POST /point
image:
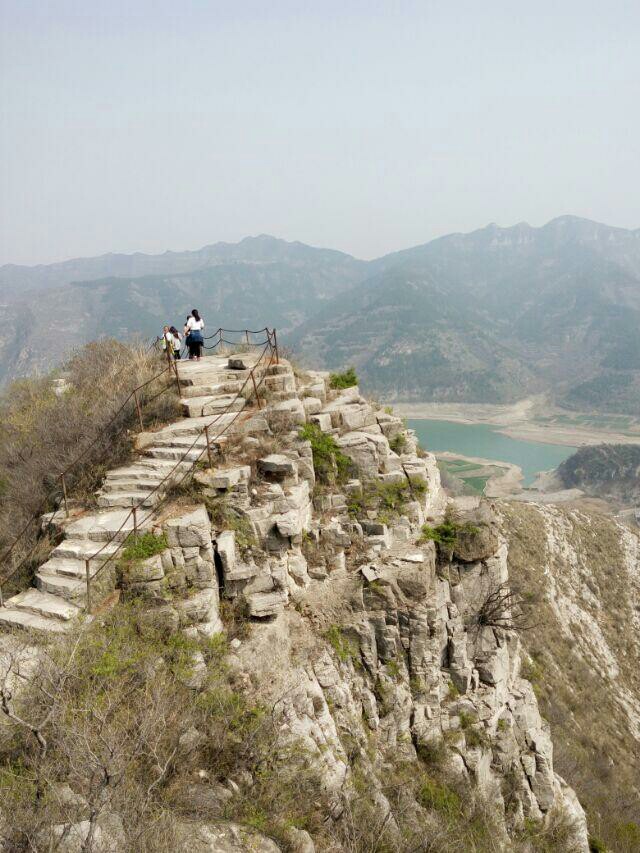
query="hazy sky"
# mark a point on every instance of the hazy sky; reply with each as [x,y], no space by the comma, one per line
[364,126]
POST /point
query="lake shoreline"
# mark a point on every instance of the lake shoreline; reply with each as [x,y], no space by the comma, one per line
[485,445]
[516,421]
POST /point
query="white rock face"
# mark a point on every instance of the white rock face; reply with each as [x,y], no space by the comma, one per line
[585,570]
[367,641]
[194,837]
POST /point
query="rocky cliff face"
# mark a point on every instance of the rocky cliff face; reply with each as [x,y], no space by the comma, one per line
[581,572]
[378,646]
[378,624]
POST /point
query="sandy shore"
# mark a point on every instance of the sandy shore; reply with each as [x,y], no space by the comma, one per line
[516,421]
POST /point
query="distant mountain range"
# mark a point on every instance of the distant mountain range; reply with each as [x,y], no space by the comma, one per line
[490,316]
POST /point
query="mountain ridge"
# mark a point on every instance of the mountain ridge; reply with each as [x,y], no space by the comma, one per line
[490,316]
[9,269]
[124,264]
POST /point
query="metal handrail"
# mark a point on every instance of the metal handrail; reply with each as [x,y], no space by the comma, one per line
[168,477]
[270,344]
[80,456]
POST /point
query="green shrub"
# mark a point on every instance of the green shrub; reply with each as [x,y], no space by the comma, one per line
[115,707]
[453,692]
[439,797]
[329,462]
[596,845]
[143,546]
[628,835]
[445,534]
[343,380]
[433,753]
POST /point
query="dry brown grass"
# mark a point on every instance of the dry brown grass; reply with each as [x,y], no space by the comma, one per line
[593,747]
[109,715]
[42,433]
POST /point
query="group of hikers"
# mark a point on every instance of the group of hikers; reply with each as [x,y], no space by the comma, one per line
[193,337]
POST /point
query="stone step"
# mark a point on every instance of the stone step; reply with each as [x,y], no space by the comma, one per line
[185,441]
[138,498]
[11,618]
[282,369]
[279,396]
[145,470]
[65,567]
[197,407]
[115,524]
[211,389]
[71,589]
[193,426]
[80,550]
[210,377]
[169,452]
[43,604]
[114,486]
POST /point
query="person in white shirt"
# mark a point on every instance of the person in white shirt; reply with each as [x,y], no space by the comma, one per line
[193,330]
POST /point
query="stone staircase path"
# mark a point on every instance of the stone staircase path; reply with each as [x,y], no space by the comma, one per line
[59,594]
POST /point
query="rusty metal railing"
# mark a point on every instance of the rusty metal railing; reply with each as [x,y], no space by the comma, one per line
[270,345]
[270,348]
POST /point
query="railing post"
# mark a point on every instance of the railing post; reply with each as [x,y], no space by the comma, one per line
[134,512]
[255,388]
[275,341]
[64,495]
[87,570]
[139,410]
[206,432]
[1,597]
[175,370]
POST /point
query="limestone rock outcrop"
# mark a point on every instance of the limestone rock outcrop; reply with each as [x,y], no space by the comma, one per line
[369,639]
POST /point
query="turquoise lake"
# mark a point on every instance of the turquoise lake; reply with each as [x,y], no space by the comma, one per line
[485,441]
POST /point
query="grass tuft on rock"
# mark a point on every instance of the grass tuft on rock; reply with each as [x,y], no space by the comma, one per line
[330,464]
[143,546]
[348,379]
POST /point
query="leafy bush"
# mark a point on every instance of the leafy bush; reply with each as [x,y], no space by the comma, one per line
[445,534]
[472,735]
[343,380]
[330,464]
